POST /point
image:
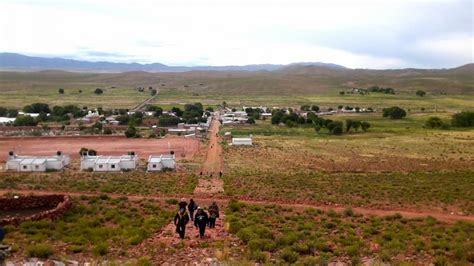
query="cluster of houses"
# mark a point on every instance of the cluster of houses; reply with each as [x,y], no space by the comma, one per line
[93,163]
[191,130]
[231,116]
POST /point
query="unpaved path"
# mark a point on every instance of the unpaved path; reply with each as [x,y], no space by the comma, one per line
[140,106]
[445,217]
[166,248]
[210,182]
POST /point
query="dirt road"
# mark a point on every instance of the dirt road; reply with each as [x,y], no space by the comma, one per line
[206,200]
[210,183]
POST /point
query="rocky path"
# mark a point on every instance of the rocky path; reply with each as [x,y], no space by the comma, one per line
[166,248]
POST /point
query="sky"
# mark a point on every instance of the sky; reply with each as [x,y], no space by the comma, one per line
[372,34]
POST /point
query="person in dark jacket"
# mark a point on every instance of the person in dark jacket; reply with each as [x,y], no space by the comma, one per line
[200,220]
[180,221]
[182,204]
[192,207]
[213,214]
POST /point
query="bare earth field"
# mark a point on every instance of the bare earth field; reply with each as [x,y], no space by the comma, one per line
[104,145]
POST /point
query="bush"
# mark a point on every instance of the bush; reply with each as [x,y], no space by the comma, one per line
[434,122]
[463,119]
[100,249]
[131,132]
[420,93]
[42,251]
[289,255]
[394,112]
[98,91]
[171,201]
[25,121]
[365,125]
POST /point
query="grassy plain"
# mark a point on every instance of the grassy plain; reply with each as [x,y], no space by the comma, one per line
[238,88]
[95,227]
[120,183]
[397,163]
[284,235]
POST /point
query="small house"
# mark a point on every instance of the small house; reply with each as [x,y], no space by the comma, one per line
[161,162]
[109,163]
[246,141]
[37,163]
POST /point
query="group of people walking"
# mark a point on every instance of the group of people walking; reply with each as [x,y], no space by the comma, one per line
[201,219]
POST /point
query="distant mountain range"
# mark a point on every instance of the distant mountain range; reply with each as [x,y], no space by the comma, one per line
[12,61]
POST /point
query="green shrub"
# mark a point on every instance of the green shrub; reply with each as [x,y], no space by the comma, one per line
[76,248]
[348,212]
[42,251]
[144,261]
[234,206]
[462,119]
[258,256]
[100,249]
[289,255]
[171,201]
[246,235]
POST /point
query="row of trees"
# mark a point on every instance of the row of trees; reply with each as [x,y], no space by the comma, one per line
[462,119]
[5,112]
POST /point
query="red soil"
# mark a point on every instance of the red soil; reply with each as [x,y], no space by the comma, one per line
[104,145]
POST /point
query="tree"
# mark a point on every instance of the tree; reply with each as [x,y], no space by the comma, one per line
[168,120]
[335,127]
[420,93]
[8,112]
[153,92]
[394,112]
[365,125]
[250,120]
[98,91]
[177,111]
[315,108]
[348,125]
[463,119]
[61,91]
[37,108]
[25,121]
[305,107]
[131,132]
[434,122]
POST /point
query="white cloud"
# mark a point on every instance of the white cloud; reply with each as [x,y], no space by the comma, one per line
[241,32]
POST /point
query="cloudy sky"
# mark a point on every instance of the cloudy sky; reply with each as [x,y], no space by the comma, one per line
[357,34]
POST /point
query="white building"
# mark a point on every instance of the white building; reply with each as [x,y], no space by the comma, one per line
[37,163]
[161,162]
[242,141]
[6,120]
[109,163]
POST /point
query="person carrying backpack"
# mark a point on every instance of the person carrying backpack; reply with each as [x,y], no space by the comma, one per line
[200,220]
[192,206]
[180,221]
[213,214]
